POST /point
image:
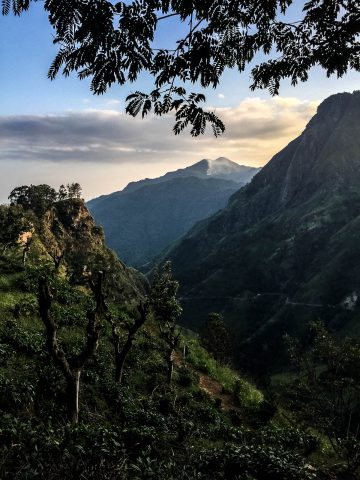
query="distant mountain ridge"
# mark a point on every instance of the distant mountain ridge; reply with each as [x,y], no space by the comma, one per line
[290,237]
[220,168]
[149,215]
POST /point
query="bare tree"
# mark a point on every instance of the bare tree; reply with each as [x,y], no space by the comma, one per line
[26,249]
[71,367]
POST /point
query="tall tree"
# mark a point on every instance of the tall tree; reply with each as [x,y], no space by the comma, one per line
[38,198]
[216,337]
[166,309]
[62,193]
[74,190]
[113,42]
[326,392]
[71,366]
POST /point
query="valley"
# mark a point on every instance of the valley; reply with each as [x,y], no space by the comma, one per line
[235,354]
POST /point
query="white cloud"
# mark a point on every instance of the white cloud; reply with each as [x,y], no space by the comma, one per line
[221,95]
[113,103]
[108,140]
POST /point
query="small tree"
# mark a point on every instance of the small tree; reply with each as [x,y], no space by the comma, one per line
[216,337]
[57,256]
[74,190]
[71,366]
[166,308]
[123,349]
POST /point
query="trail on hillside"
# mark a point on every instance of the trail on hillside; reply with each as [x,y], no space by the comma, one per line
[210,386]
[215,390]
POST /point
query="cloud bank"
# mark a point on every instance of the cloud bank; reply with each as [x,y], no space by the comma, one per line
[106,140]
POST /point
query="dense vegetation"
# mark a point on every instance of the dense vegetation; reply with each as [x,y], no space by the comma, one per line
[175,412]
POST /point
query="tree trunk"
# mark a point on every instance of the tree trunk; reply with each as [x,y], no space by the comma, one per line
[170,368]
[73,386]
[120,360]
[24,256]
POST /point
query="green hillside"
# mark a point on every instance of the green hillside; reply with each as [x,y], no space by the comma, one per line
[284,251]
[208,422]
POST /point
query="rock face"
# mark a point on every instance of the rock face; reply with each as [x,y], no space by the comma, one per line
[149,215]
[68,234]
[326,156]
[290,237]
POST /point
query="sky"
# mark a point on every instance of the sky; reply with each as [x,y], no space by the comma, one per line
[58,132]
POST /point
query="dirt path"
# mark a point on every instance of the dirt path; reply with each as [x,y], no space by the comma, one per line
[210,386]
[214,390]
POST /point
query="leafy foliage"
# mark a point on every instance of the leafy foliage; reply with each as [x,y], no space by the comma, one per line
[12,225]
[112,43]
[327,389]
[216,337]
[163,294]
[39,198]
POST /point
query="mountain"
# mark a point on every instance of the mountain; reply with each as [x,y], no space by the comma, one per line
[219,168]
[67,236]
[285,250]
[147,216]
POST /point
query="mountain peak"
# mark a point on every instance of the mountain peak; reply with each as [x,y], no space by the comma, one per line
[149,215]
[324,158]
[288,238]
[220,168]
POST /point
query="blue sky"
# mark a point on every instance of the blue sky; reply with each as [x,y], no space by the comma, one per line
[61,107]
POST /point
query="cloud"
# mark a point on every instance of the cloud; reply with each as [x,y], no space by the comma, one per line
[111,136]
[113,103]
[221,96]
[255,130]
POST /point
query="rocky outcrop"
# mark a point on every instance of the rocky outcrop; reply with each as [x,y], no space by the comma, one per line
[72,240]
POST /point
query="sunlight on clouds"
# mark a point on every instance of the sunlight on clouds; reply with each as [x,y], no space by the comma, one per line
[117,148]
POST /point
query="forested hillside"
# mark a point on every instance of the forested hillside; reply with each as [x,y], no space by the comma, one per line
[285,249]
[99,381]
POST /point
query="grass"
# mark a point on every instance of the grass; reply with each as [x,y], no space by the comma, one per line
[10,299]
[247,394]
[7,282]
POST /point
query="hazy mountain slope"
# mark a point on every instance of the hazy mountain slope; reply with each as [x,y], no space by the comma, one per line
[139,224]
[148,215]
[219,168]
[290,234]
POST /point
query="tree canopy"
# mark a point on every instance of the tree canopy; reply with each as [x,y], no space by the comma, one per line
[113,43]
[12,225]
[40,198]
